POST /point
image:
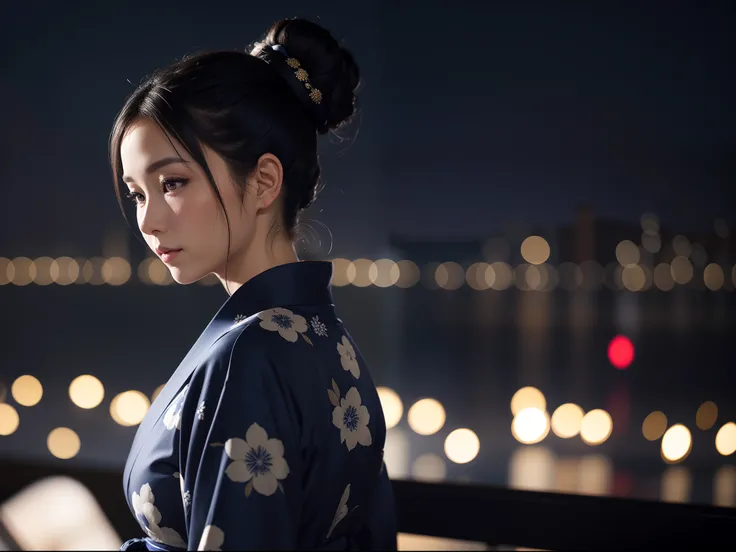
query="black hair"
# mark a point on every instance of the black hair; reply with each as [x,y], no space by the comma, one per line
[244,104]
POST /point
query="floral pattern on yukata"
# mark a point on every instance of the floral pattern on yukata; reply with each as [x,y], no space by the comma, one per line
[258,460]
[350,416]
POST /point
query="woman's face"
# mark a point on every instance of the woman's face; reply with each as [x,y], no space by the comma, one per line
[176,207]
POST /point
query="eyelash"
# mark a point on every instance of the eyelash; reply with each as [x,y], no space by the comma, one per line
[133,196]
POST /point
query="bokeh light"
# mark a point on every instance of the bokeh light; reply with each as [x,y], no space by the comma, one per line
[596,427]
[654,425]
[652,243]
[27,390]
[426,416]
[567,420]
[86,391]
[43,271]
[621,352]
[115,271]
[650,223]
[682,270]
[393,408]
[64,271]
[726,439]
[627,253]
[429,467]
[476,276]
[500,276]
[462,446]
[663,277]
[528,397]
[362,272]
[713,277]
[9,419]
[681,246]
[129,408]
[384,273]
[633,278]
[449,276]
[535,250]
[63,443]
[676,443]
[530,425]
[409,274]
[706,416]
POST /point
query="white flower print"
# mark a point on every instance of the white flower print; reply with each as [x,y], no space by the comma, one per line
[200,411]
[342,510]
[186,496]
[172,418]
[319,328]
[347,357]
[257,460]
[212,538]
[350,417]
[239,318]
[289,325]
[149,518]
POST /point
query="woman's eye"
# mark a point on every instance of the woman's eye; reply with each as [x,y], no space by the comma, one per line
[173,184]
[135,197]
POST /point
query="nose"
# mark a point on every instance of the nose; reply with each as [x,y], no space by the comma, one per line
[152,217]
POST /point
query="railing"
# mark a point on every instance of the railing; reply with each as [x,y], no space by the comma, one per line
[492,515]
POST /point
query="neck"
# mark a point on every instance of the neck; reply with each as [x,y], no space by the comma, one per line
[253,262]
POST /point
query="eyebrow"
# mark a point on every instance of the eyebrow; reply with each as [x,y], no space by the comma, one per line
[156,165]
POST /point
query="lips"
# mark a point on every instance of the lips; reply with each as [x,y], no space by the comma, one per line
[163,250]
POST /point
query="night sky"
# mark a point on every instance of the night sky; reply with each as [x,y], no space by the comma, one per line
[473,117]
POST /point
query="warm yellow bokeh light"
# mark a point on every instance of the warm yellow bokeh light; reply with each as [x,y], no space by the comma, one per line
[682,270]
[633,277]
[409,274]
[429,467]
[86,391]
[27,390]
[499,276]
[21,271]
[9,419]
[530,425]
[7,271]
[596,427]
[713,277]
[449,276]
[567,420]
[158,272]
[426,416]
[341,273]
[649,223]
[384,273]
[707,415]
[663,277]
[43,271]
[527,397]
[462,446]
[64,271]
[476,276]
[627,253]
[63,443]
[676,443]
[726,439]
[129,408]
[535,250]
[362,272]
[115,271]
[654,425]
[393,408]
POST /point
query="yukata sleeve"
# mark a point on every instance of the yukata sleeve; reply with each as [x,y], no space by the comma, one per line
[242,475]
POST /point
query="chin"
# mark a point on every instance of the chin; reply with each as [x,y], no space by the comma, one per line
[184,277]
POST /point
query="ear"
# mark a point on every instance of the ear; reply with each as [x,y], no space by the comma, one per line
[266,180]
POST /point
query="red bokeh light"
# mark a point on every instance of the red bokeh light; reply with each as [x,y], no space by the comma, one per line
[621,352]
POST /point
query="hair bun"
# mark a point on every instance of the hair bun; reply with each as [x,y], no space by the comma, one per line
[332,69]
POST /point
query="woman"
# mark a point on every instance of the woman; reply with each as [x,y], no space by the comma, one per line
[270,432]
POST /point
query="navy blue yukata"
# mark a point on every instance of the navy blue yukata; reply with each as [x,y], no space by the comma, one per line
[270,433]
